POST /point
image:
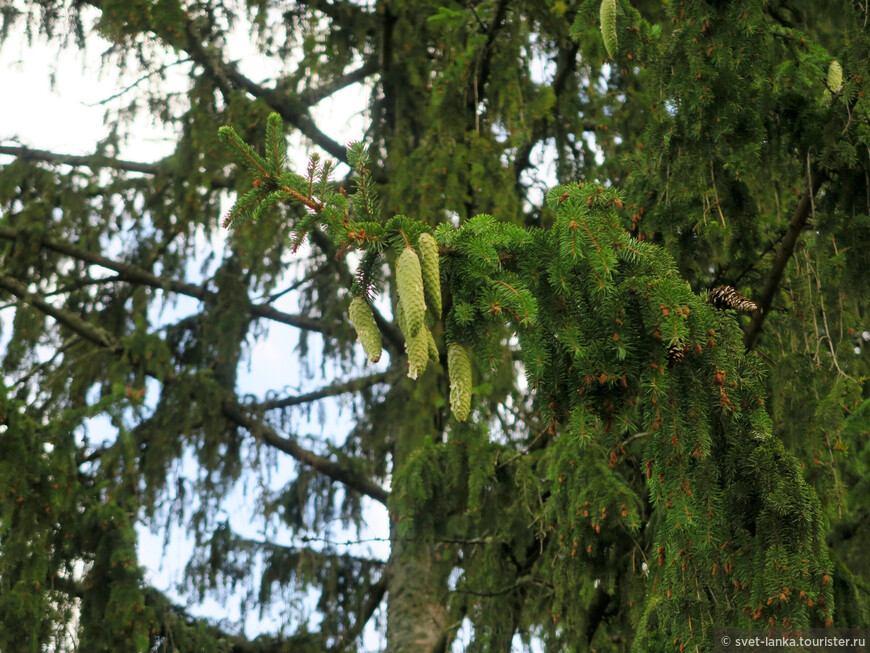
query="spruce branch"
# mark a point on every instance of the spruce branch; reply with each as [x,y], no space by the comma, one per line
[354,385]
[326,556]
[141,79]
[789,241]
[312,96]
[98,161]
[336,471]
[374,597]
[134,274]
[244,153]
[276,145]
[229,407]
[85,329]
[87,160]
[228,79]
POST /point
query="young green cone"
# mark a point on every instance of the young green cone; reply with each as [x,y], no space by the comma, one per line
[608,27]
[431,272]
[835,76]
[418,352]
[459,370]
[366,330]
[409,284]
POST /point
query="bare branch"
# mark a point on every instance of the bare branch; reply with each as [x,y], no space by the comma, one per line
[354,385]
[375,595]
[135,274]
[789,241]
[140,80]
[89,160]
[232,411]
[315,95]
[85,329]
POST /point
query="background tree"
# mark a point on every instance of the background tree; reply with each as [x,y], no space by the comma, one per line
[628,475]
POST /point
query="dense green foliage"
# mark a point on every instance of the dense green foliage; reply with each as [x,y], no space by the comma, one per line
[638,467]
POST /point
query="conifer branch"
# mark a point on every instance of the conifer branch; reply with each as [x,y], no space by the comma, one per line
[87,160]
[97,161]
[488,49]
[230,409]
[374,597]
[141,79]
[337,472]
[228,78]
[85,329]
[566,66]
[354,385]
[315,95]
[774,276]
[134,274]
[327,556]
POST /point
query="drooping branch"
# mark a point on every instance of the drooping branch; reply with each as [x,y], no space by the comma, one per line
[565,67]
[227,78]
[774,276]
[134,274]
[203,51]
[374,597]
[312,96]
[88,331]
[354,385]
[97,161]
[234,412]
[141,79]
[89,160]
[489,49]
[326,556]
[230,407]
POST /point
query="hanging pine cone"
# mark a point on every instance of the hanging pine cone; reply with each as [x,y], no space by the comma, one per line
[363,322]
[417,349]
[677,352]
[724,297]
[409,284]
[459,370]
[431,273]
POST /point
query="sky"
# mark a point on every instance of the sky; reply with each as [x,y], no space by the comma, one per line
[59,104]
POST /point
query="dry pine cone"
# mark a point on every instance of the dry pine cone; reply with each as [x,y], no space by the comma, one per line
[724,297]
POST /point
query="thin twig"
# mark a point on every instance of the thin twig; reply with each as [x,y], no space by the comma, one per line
[139,81]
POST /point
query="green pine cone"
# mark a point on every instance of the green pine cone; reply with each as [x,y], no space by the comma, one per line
[409,284]
[608,27]
[400,317]
[418,352]
[431,272]
[835,77]
[433,348]
[366,330]
[459,370]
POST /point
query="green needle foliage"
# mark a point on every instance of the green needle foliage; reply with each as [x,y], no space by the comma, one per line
[620,249]
[595,314]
